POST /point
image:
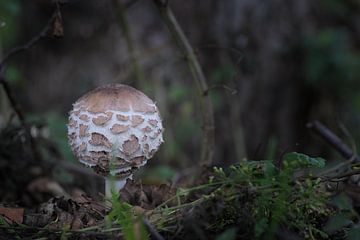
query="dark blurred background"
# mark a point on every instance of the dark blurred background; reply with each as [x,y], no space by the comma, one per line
[272,65]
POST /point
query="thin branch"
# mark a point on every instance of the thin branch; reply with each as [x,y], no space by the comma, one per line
[13,52]
[19,112]
[14,104]
[343,175]
[336,167]
[333,140]
[8,91]
[154,233]
[31,42]
[208,144]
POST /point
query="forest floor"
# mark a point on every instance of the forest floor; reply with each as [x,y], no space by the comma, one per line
[300,198]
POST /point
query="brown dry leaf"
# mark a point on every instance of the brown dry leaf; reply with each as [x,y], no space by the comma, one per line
[46,185]
[60,212]
[146,196]
[78,195]
[160,193]
[76,222]
[13,214]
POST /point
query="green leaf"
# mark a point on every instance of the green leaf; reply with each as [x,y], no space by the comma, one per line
[64,232]
[353,233]
[260,227]
[337,222]
[228,234]
[343,202]
[295,160]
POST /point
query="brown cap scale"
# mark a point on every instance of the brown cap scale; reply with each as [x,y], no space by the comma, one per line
[115,129]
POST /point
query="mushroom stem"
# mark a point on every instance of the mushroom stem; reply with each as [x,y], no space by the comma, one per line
[114,183]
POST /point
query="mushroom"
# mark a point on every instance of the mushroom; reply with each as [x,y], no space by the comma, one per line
[114,129]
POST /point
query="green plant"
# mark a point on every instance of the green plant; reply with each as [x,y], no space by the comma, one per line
[132,227]
[279,197]
[259,196]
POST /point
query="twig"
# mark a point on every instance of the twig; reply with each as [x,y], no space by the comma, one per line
[343,175]
[208,144]
[18,110]
[340,146]
[333,140]
[31,42]
[9,93]
[336,167]
[15,105]
[17,50]
[154,233]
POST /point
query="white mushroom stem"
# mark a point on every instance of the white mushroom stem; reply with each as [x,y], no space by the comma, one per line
[115,184]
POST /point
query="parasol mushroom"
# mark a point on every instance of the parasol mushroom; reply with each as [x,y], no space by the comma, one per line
[114,129]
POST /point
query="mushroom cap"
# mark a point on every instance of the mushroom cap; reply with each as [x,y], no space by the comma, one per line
[114,129]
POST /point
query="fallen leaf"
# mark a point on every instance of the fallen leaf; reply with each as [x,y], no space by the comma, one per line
[146,196]
[46,185]
[14,214]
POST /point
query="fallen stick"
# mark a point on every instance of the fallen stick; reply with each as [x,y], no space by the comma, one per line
[333,140]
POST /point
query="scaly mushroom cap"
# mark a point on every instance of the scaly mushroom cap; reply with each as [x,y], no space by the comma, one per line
[114,127]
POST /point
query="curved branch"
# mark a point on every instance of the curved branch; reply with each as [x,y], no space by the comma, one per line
[208,144]
[32,41]
[9,93]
